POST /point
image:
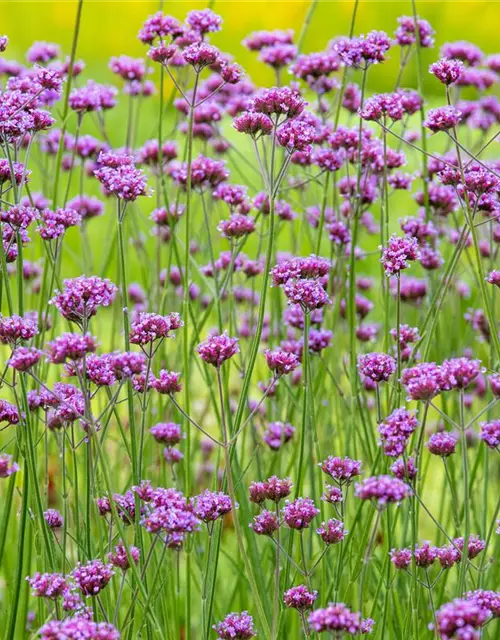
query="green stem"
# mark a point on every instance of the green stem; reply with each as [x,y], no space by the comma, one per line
[305,405]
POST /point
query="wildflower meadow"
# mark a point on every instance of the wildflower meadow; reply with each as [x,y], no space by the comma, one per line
[249,332]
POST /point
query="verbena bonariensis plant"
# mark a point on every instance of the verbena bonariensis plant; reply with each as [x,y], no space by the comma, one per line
[202,428]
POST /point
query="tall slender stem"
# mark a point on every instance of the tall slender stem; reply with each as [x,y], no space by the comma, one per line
[305,404]
[465,475]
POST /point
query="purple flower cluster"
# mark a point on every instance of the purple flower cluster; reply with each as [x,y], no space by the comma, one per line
[300,598]
[93,577]
[461,619]
[396,430]
[377,367]
[209,506]
[274,489]
[341,470]
[299,513]
[235,626]
[81,297]
[119,176]
[363,51]
[382,490]
[398,253]
[277,434]
[150,327]
[120,559]
[78,628]
[339,619]
[490,433]
[332,531]
[215,350]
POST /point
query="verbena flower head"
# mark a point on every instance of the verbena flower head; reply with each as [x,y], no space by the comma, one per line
[338,619]
[363,51]
[53,518]
[261,39]
[204,21]
[296,135]
[265,523]
[425,554]
[8,412]
[42,52]
[205,173]
[209,506]
[55,223]
[464,51]
[461,619]
[494,278]
[120,177]
[48,585]
[332,495]
[487,599]
[447,71]
[382,490]
[342,470]
[237,226]
[254,124]
[160,25]
[312,267]
[474,547]
[409,27]
[277,489]
[423,381]
[300,598]
[381,106]
[401,558]
[215,350]
[279,101]
[70,346]
[168,433]
[310,294]
[404,470]
[15,329]
[442,444]
[24,358]
[200,55]
[86,206]
[277,434]
[127,364]
[151,327]
[377,367]
[235,626]
[299,513]
[332,531]
[91,578]
[81,297]
[442,119]
[490,433]
[459,373]
[93,97]
[120,558]
[20,173]
[77,628]
[167,382]
[398,252]
[7,467]
[20,217]
[281,362]
[494,381]
[278,56]
[396,430]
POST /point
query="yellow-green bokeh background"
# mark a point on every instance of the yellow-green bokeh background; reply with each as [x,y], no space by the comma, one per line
[110,28]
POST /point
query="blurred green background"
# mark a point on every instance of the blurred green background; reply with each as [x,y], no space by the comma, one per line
[110,28]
